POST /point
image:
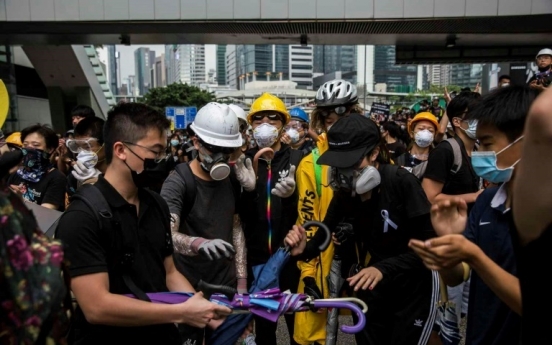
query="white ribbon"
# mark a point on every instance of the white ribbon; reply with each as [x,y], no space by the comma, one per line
[387,221]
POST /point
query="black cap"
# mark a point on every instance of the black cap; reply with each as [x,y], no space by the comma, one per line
[351,137]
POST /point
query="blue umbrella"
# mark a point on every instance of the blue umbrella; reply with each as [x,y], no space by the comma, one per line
[266,277]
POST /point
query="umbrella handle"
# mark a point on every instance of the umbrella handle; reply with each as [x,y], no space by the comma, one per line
[322,226]
[269,153]
[210,289]
[336,303]
[358,301]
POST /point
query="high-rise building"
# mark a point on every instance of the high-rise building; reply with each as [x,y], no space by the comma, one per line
[211,76]
[112,57]
[221,65]
[159,72]
[143,62]
[132,87]
[261,62]
[438,74]
[398,78]
[301,65]
[123,89]
[231,67]
[332,58]
[466,75]
[186,64]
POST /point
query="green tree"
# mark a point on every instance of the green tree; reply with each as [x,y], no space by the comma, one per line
[177,94]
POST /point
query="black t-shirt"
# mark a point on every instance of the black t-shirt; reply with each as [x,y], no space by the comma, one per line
[439,165]
[90,250]
[396,149]
[534,261]
[211,217]
[49,190]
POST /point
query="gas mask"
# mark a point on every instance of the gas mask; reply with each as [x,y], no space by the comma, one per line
[216,164]
[353,180]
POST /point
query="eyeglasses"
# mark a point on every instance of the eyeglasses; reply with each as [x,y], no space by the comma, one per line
[325,112]
[271,116]
[159,156]
[78,145]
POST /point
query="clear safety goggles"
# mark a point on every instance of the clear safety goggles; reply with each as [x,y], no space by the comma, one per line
[297,125]
[78,145]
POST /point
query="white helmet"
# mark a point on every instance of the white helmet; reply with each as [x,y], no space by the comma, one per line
[336,92]
[239,112]
[216,124]
[545,51]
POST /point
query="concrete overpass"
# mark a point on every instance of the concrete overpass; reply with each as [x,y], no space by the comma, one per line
[476,30]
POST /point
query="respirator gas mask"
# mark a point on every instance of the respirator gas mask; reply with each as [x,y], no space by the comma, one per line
[215,162]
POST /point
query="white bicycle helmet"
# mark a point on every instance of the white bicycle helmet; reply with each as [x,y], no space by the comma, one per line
[239,112]
[216,124]
[336,92]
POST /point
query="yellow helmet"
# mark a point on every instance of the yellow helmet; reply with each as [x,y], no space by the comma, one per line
[424,116]
[14,139]
[266,102]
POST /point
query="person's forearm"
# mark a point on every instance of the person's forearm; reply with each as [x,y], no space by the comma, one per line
[442,128]
[503,284]
[238,240]
[182,243]
[118,310]
[176,282]
[50,206]
[468,198]
[453,276]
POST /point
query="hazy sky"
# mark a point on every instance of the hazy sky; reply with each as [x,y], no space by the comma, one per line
[127,57]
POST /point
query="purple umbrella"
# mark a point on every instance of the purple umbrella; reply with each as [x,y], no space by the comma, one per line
[271,304]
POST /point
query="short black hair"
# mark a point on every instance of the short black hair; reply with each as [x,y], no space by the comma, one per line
[130,122]
[189,130]
[504,76]
[50,137]
[91,127]
[462,104]
[393,129]
[505,109]
[83,111]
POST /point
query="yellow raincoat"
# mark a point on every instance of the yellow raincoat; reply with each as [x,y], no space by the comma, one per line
[314,199]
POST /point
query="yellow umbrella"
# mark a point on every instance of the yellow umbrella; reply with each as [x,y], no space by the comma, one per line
[4,103]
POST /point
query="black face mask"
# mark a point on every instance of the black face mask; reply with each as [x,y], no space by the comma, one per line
[153,174]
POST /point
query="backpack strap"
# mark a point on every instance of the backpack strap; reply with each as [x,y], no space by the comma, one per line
[91,196]
[457,151]
[317,171]
[184,171]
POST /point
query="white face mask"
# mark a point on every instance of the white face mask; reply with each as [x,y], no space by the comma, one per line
[423,138]
[472,128]
[293,135]
[265,135]
[88,158]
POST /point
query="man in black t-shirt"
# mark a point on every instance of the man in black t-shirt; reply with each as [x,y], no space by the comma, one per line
[440,181]
[135,146]
[543,78]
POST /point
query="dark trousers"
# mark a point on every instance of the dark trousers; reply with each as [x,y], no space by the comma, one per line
[265,330]
[401,311]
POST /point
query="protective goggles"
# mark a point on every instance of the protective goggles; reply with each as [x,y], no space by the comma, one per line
[78,145]
[271,116]
[297,125]
[325,112]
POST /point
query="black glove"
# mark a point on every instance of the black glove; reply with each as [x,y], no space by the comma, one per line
[311,289]
[343,232]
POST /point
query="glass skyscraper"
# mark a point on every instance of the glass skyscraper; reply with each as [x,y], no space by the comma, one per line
[398,78]
[221,65]
[332,58]
[466,75]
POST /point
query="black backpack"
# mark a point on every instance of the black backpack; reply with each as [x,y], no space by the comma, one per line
[123,241]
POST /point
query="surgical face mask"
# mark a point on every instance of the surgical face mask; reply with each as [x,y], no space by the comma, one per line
[215,164]
[265,135]
[472,128]
[293,135]
[175,142]
[485,165]
[423,138]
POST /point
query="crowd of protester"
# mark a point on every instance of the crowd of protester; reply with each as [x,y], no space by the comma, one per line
[435,211]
